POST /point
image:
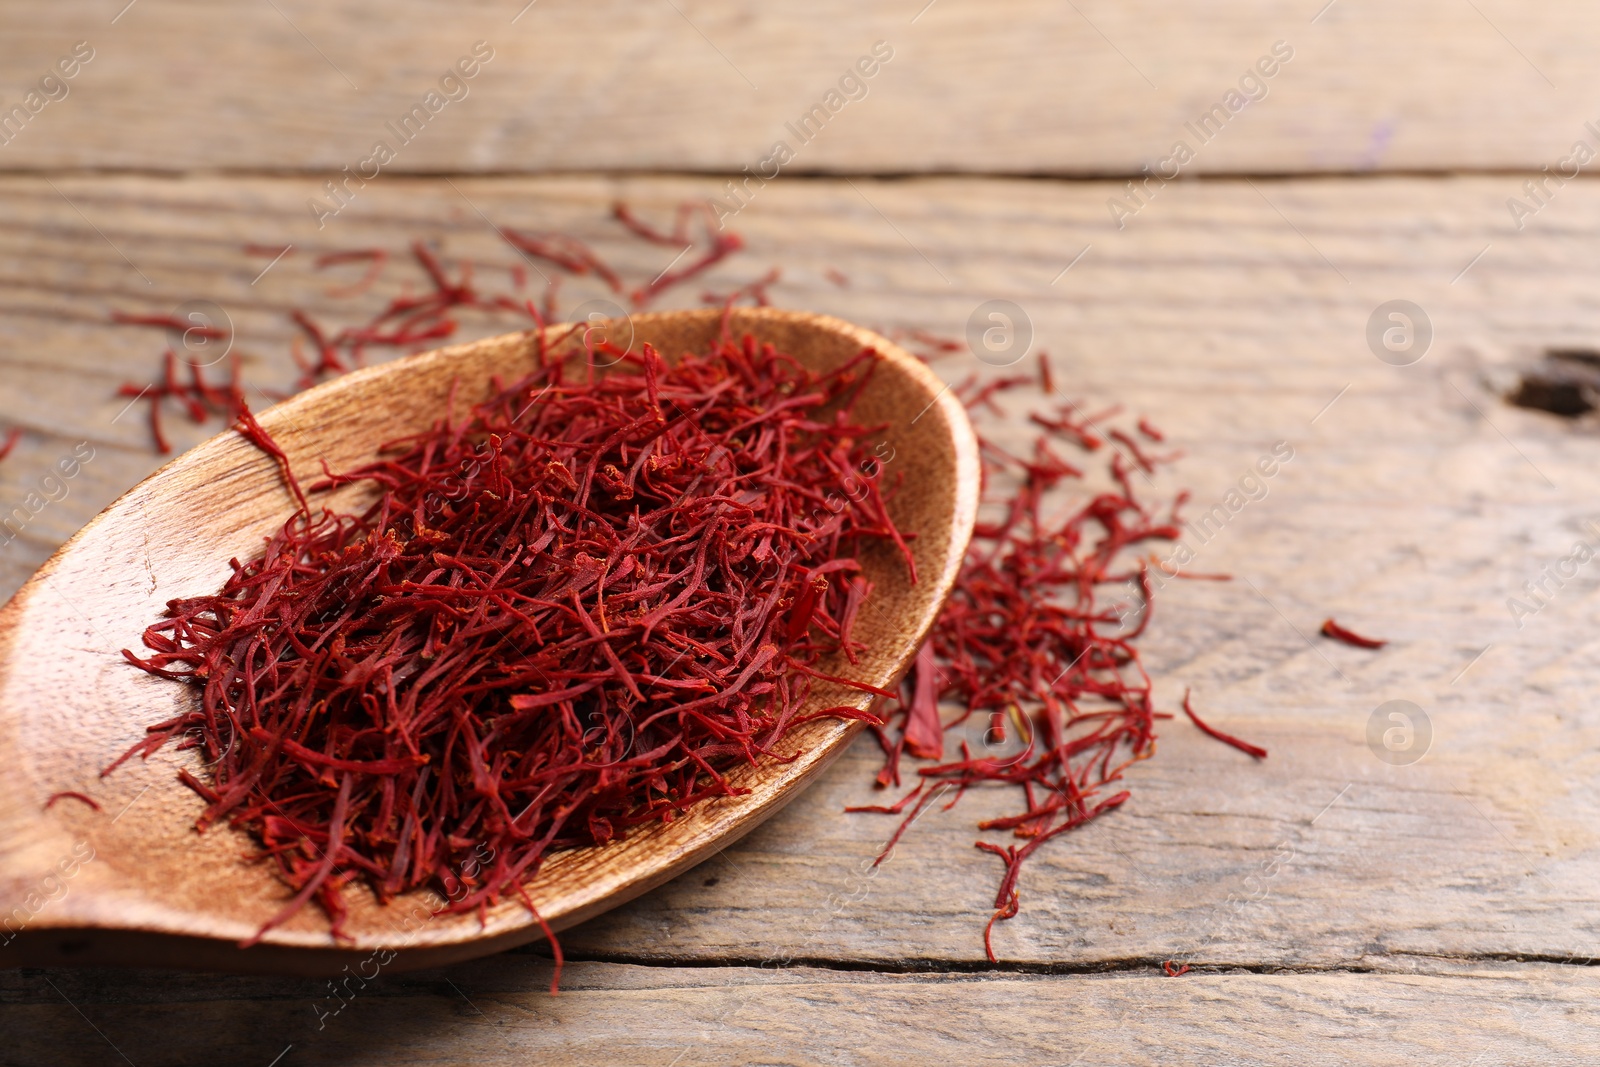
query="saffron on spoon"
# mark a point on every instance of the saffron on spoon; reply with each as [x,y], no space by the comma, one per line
[565,616]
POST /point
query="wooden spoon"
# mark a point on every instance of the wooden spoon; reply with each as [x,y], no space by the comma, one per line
[136,884]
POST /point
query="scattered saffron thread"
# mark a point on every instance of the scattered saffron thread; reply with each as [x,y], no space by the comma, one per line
[197,397]
[1025,642]
[69,795]
[1210,731]
[375,258]
[1350,637]
[411,323]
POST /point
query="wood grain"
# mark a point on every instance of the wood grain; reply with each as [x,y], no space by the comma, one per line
[1010,86]
[495,1012]
[1234,314]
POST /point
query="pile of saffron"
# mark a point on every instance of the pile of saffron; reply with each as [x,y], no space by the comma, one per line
[563,616]
[1037,640]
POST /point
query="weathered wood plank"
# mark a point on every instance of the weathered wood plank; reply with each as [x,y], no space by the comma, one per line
[498,1011]
[1015,86]
[1234,314]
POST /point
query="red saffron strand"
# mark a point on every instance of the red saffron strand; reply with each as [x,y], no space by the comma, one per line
[1172,972]
[717,246]
[168,322]
[69,795]
[375,259]
[1350,637]
[568,253]
[12,437]
[924,734]
[198,397]
[756,292]
[1210,731]
[639,228]
[1145,462]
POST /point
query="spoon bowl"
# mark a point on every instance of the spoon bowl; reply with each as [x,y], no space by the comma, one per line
[134,883]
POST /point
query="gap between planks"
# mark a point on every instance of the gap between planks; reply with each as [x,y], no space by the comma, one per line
[1070,177]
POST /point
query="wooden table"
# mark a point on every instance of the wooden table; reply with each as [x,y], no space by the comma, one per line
[1335,906]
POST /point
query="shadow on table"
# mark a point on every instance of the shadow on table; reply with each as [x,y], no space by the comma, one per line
[71,1017]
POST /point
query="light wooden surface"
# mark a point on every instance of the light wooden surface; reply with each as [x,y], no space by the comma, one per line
[621,1016]
[1007,86]
[152,881]
[1234,314]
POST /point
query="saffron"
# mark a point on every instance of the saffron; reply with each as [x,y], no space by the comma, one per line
[1210,731]
[518,670]
[81,798]
[1350,637]
[1028,640]
[563,618]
